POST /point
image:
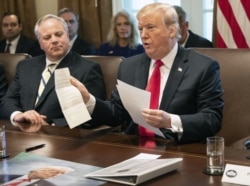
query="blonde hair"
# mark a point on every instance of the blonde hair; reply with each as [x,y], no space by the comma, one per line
[113,37]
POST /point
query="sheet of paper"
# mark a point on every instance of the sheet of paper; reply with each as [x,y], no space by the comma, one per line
[134,100]
[70,99]
[146,156]
[236,174]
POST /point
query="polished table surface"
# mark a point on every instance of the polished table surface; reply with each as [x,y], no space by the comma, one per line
[106,147]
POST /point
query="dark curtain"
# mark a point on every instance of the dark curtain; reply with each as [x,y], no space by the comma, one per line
[26,9]
[94,18]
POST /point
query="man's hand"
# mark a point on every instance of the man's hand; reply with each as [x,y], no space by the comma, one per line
[30,121]
[83,90]
[30,127]
[157,118]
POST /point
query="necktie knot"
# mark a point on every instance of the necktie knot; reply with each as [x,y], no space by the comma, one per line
[7,50]
[51,67]
[48,71]
[158,63]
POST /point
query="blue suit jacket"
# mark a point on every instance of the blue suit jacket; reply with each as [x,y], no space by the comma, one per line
[22,92]
[194,93]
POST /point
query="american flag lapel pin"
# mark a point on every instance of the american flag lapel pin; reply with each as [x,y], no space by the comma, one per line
[180,69]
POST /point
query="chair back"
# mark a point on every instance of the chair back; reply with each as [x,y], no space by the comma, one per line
[235,77]
[109,66]
[9,62]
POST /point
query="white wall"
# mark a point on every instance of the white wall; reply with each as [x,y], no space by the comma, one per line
[44,7]
[194,14]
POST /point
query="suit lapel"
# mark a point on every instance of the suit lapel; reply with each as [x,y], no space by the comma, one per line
[50,86]
[141,76]
[34,81]
[2,45]
[20,45]
[177,72]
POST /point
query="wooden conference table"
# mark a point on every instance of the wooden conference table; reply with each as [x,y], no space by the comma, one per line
[104,148]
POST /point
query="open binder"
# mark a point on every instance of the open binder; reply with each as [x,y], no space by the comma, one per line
[136,171]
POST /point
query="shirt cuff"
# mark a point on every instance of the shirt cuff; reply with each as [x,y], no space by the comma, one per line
[176,125]
[91,104]
[12,116]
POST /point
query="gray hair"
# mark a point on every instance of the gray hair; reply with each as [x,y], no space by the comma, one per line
[68,10]
[181,13]
[46,17]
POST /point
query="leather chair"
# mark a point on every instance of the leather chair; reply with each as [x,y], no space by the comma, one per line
[109,66]
[9,62]
[235,77]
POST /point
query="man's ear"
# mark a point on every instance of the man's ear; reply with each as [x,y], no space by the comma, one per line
[173,31]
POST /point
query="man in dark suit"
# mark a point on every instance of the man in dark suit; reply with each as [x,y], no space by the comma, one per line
[77,44]
[12,31]
[190,104]
[20,102]
[188,38]
[3,83]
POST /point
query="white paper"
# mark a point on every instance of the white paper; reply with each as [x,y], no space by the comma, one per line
[236,174]
[70,99]
[134,100]
[146,156]
[137,169]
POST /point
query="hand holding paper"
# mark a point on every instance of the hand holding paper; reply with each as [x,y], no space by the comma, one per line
[136,103]
[70,99]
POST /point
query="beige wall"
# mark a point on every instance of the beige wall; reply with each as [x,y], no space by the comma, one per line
[44,7]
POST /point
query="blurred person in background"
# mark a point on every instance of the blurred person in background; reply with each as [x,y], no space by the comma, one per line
[123,37]
[15,41]
[77,44]
[188,38]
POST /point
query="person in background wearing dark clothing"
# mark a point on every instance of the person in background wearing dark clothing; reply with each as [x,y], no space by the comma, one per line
[77,44]
[123,37]
[188,38]
[190,103]
[31,97]
[15,41]
[3,83]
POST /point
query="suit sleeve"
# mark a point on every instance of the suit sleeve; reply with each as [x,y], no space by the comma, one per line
[3,83]
[206,121]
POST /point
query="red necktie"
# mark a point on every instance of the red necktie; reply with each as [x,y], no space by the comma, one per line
[7,50]
[153,86]
[18,182]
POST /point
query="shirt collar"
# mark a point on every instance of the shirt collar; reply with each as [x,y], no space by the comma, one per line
[184,43]
[168,60]
[71,42]
[56,62]
[14,42]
